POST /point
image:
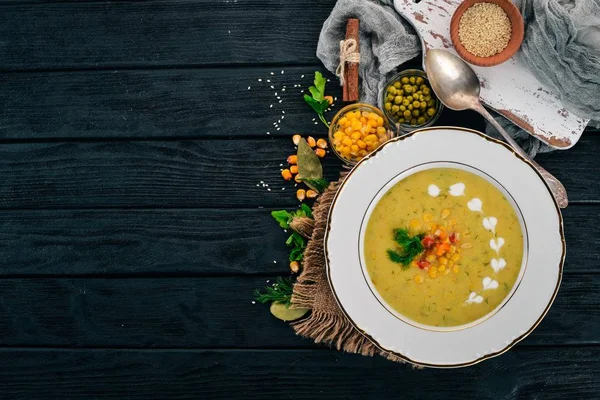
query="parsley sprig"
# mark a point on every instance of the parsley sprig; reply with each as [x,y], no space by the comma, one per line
[317,99]
[409,247]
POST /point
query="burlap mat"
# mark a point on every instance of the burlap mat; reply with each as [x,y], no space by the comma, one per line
[326,323]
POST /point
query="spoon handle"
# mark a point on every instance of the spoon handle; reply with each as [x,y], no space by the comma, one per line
[557,188]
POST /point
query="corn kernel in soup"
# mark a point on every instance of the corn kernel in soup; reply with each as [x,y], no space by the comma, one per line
[470,251]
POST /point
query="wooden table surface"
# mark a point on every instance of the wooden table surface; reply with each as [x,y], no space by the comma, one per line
[133,232]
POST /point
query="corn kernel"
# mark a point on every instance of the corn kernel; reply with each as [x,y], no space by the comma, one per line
[311,141]
[372,116]
[295,266]
[348,130]
[379,121]
[355,135]
[455,269]
[320,152]
[329,99]
[311,194]
[363,153]
[296,139]
[442,268]
[419,279]
[294,169]
[301,194]
[414,224]
[381,130]
[443,260]
[371,138]
[432,272]
[450,264]
[297,178]
[347,141]
[428,217]
[292,160]
[361,144]
[431,258]
[452,249]
[343,121]
[363,120]
[286,174]
[455,257]
[322,143]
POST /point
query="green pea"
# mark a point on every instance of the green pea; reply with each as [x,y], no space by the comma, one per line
[415,113]
[427,98]
[416,104]
[390,97]
[404,80]
[405,102]
[397,85]
[407,114]
[388,106]
[408,89]
[419,81]
[410,107]
[395,109]
[400,92]
[423,105]
[409,98]
[421,120]
[431,112]
[392,90]
[431,103]
[401,120]
[426,91]
[402,108]
[413,121]
[412,80]
[398,100]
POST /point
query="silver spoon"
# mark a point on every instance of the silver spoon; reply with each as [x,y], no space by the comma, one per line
[456,85]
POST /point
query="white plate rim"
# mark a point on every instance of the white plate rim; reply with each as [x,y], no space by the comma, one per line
[485,356]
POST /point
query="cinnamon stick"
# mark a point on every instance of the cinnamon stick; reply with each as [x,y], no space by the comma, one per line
[350,89]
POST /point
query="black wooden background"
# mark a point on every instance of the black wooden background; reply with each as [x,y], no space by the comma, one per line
[133,232]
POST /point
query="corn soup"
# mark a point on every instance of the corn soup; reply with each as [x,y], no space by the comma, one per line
[443,247]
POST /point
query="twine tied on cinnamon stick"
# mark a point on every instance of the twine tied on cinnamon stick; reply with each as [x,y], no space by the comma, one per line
[348,54]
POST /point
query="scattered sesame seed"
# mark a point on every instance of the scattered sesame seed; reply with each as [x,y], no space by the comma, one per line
[283,90]
[283,116]
[272,73]
[281,165]
[271,106]
[269,189]
[278,97]
[268,133]
[283,112]
[274,262]
[268,280]
[302,76]
[278,128]
[280,101]
[335,99]
[316,123]
[268,81]
[275,93]
[253,302]
[260,80]
[272,87]
[248,87]
[328,80]
[281,72]
[282,188]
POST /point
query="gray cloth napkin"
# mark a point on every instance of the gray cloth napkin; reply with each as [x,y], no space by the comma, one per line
[561,47]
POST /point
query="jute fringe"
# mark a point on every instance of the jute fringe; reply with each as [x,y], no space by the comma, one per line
[326,323]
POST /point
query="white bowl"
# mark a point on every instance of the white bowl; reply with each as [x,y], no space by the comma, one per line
[541,224]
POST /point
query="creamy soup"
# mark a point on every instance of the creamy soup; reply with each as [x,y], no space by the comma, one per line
[443,247]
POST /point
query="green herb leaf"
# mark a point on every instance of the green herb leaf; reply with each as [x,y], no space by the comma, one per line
[309,165]
[305,210]
[409,247]
[318,185]
[297,254]
[282,217]
[280,292]
[317,101]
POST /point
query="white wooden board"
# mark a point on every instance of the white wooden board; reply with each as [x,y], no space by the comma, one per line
[508,88]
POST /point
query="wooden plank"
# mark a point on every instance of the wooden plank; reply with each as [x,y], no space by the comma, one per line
[569,373]
[168,103]
[189,242]
[159,33]
[200,173]
[209,312]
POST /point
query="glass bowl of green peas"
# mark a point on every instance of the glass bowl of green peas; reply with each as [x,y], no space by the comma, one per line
[408,102]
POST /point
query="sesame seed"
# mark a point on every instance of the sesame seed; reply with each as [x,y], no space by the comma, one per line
[283,112]
[260,80]
[269,189]
[280,101]
[281,72]
[283,90]
[283,116]
[274,262]
[275,93]
[272,87]
[248,87]
[268,80]
[302,76]
[272,73]
[271,106]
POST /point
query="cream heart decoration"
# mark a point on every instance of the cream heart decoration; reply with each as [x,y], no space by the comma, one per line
[433,190]
[496,244]
[474,298]
[489,223]
[475,204]
[458,189]
[498,264]
[489,283]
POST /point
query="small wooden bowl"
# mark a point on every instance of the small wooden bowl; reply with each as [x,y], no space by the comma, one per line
[516,38]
